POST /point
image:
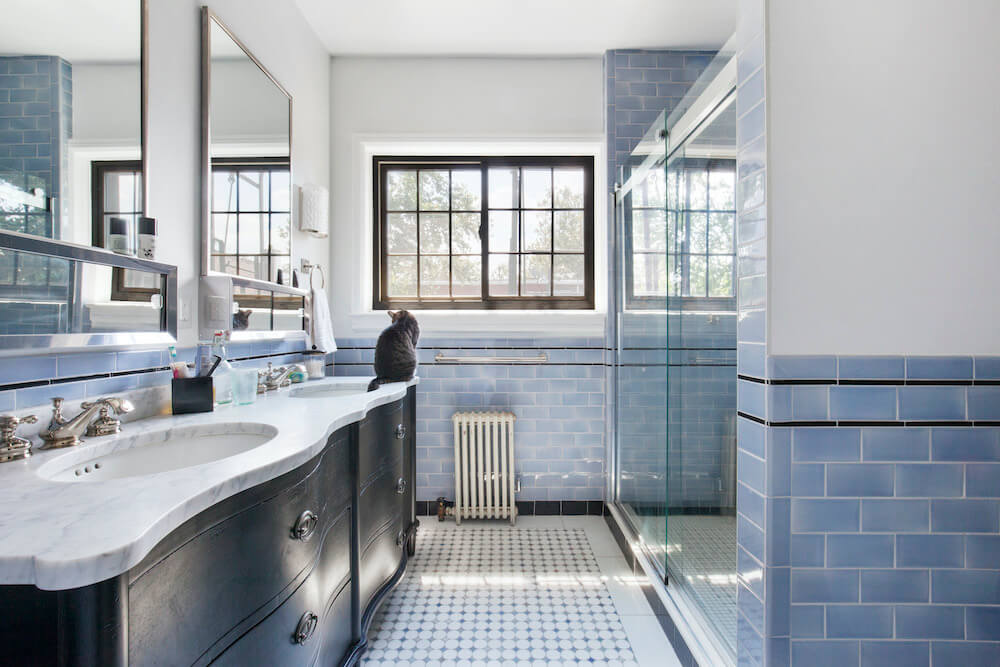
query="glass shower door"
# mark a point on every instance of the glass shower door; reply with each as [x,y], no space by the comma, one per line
[642,371]
[675,380]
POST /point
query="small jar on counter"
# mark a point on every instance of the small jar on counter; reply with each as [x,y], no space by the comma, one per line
[315,361]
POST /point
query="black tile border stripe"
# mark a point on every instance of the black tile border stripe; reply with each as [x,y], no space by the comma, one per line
[114,374]
[846,423]
[477,363]
[535,507]
[922,382]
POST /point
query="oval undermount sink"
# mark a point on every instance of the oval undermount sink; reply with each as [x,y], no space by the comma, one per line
[160,451]
[329,390]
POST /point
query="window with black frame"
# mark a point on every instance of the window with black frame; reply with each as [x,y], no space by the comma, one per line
[251,217]
[484,232]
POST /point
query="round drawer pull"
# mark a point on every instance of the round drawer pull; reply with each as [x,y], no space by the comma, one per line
[401,486]
[400,432]
[304,526]
[305,628]
[399,538]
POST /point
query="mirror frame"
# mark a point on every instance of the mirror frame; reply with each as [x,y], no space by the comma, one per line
[62,342]
[207,18]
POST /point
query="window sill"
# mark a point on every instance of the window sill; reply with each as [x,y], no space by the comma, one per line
[556,323]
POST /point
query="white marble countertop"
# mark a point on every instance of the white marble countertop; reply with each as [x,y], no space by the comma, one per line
[59,535]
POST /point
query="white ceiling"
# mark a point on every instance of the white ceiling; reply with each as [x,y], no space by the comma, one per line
[77,30]
[516,27]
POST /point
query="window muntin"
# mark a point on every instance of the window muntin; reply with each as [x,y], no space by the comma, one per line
[682,232]
[702,241]
[251,218]
[529,220]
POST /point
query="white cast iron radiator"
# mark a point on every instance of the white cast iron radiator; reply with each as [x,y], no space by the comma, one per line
[484,466]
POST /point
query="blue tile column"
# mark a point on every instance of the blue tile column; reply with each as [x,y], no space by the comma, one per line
[763,505]
[36,107]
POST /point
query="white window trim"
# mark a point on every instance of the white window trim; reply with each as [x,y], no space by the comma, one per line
[365,320]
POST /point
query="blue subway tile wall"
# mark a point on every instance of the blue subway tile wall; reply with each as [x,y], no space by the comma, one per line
[559,404]
[33,381]
[36,105]
[895,508]
[641,83]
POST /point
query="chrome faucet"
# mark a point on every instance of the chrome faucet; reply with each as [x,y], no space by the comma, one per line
[66,432]
[272,377]
[13,448]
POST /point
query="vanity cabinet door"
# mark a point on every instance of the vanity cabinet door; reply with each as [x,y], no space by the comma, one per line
[380,501]
[291,635]
[406,498]
[333,568]
[380,561]
[380,438]
[333,481]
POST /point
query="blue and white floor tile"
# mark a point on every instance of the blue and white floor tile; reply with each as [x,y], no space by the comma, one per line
[551,591]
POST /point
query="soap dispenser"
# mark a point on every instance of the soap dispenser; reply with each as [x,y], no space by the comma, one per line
[222,378]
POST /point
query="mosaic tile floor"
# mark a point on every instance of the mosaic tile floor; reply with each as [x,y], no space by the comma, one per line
[488,594]
[702,551]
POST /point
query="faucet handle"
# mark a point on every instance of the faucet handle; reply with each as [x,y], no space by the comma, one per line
[119,405]
[13,448]
[105,424]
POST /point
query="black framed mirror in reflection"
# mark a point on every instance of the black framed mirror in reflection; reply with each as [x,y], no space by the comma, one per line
[247,143]
[71,121]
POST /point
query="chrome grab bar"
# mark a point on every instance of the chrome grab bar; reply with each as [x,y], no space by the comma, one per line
[441,358]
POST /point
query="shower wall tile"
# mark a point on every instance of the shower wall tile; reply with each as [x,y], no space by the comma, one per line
[895,526]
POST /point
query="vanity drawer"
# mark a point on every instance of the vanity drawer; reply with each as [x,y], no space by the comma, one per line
[291,635]
[380,561]
[221,576]
[382,433]
[381,500]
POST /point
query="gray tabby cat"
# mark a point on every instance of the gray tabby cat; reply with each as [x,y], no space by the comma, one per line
[396,350]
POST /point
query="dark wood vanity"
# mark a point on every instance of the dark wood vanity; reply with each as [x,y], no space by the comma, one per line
[289,572]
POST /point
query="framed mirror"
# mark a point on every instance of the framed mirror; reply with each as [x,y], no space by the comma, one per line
[63,296]
[246,167]
[72,121]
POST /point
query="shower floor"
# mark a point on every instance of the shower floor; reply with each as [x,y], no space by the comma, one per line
[701,552]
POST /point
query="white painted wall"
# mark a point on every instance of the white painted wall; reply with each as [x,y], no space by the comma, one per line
[453,106]
[280,37]
[883,165]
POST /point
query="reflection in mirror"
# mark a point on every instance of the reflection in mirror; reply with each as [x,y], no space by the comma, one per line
[41,294]
[701,207]
[248,223]
[264,310]
[71,139]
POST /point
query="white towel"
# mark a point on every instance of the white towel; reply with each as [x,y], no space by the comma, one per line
[322,323]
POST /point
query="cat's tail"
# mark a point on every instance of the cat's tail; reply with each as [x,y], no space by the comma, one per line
[376,383]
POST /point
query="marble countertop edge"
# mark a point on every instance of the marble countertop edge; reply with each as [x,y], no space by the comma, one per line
[70,534]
